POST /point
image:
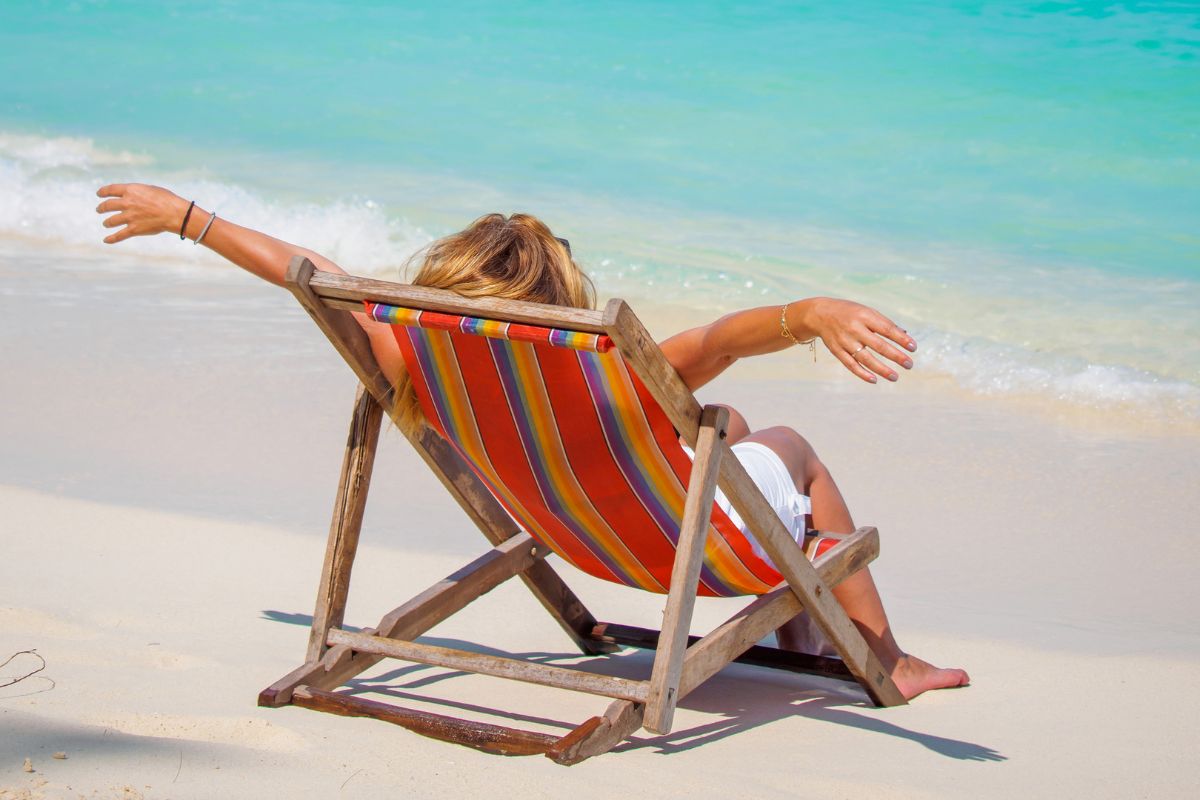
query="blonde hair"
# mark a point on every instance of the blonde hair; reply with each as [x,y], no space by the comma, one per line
[513,258]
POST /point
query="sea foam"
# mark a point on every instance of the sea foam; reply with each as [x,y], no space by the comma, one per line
[49,193]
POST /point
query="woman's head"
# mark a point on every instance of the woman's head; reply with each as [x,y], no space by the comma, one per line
[514,258]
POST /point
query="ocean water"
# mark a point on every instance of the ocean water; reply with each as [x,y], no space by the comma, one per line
[1018,183]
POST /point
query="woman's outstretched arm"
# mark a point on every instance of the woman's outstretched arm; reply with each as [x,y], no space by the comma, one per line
[143,210]
[860,337]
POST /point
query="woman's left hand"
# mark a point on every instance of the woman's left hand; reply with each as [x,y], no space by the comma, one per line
[860,337]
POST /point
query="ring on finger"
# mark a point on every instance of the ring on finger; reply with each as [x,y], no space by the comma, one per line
[854,355]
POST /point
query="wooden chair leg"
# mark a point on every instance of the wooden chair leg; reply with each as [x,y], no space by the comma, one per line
[689,553]
[357,464]
[599,734]
[410,620]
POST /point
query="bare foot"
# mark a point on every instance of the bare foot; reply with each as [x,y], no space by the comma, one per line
[914,676]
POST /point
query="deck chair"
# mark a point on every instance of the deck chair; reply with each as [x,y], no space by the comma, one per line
[557,430]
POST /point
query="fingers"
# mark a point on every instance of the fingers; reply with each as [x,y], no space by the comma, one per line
[864,357]
[891,352]
[890,330]
[114,190]
[878,347]
[851,363]
[867,360]
[115,220]
[119,236]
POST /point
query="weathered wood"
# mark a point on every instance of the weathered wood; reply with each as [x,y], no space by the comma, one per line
[408,621]
[344,529]
[348,337]
[511,557]
[812,593]
[733,637]
[496,666]
[598,735]
[689,553]
[647,360]
[484,736]
[568,746]
[754,655]
[331,286]
[733,640]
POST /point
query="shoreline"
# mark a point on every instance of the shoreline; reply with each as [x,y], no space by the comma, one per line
[194,283]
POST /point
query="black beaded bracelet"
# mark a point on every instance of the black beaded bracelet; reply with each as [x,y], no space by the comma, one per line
[183,227]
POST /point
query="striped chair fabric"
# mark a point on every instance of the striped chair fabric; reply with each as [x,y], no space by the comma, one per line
[572,444]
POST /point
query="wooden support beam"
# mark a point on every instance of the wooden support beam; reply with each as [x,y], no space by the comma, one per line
[410,620]
[479,735]
[343,332]
[663,382]
[496,666]
[689,553]
[812,593]
[754,655]
[344,529]
[598,735]
[730,639]
[330,286]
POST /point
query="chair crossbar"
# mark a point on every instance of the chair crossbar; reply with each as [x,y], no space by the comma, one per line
[497,739]
[496,666]
[348,292]
[755,656]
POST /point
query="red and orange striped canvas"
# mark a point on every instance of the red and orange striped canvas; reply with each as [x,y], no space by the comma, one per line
[571,443]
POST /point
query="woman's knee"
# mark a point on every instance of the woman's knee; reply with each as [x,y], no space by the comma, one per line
[795,451]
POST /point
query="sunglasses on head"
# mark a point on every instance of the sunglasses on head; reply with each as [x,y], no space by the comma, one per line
[564,243]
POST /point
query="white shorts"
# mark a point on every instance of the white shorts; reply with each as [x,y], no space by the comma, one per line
[771,476]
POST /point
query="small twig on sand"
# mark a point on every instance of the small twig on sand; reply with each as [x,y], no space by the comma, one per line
[343,786]
[33,653]
[179,768]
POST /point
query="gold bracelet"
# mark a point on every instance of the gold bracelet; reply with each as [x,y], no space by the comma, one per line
[786,333]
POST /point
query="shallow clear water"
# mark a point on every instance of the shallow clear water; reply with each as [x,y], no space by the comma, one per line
[1019,182]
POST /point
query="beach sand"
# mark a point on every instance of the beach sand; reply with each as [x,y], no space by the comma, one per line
[169,451]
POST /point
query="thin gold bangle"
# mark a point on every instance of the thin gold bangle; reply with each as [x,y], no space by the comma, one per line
[786,333]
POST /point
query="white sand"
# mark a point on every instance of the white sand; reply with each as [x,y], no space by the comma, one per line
[166,470]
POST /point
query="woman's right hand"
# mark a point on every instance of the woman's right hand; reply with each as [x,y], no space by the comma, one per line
[143,210]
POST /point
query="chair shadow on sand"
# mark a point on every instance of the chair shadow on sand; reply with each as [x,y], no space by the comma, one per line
[745,697]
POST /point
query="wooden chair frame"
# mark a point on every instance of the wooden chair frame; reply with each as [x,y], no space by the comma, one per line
[681,663]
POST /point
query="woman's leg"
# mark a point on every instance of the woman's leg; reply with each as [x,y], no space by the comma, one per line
[857,594]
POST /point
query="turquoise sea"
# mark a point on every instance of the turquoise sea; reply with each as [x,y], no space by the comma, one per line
[1018,182]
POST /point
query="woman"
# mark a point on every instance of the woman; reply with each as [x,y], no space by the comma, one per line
[519,258]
